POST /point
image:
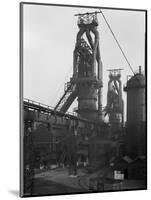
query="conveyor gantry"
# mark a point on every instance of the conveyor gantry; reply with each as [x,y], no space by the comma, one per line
[68,97]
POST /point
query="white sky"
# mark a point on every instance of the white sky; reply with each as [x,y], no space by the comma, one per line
[49,35]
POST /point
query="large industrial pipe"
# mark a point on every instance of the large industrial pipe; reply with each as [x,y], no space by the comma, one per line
[120,95]
[89,38]
[75,56]
[100,90]
[121,103]
[100,78]
[79,35]
[74,64]
[96,42]
[108,93]
[98,59]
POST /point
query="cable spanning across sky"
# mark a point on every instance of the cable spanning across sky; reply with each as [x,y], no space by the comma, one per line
[85,17]
[43,45]
[117,42]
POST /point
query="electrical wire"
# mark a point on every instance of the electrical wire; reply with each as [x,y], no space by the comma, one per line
[113,34]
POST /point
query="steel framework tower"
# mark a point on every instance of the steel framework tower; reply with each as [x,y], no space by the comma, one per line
[86,82]
[114,107]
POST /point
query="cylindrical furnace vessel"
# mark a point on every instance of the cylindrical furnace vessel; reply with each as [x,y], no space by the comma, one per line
[136,116]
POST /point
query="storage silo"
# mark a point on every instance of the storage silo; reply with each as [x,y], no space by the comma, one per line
[136,115]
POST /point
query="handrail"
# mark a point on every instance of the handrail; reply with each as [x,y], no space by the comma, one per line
[37,103]
[69,114]
[46,106]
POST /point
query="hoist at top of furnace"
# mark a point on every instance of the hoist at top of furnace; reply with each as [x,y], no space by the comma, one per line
[88,18]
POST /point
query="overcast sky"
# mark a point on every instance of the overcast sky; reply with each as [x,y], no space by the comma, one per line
[49,40]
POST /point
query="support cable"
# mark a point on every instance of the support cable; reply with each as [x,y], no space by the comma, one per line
[117,43]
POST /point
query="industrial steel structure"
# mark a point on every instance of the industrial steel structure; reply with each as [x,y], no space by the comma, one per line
[136,115]
[86,82]
[52,136]
[114,108]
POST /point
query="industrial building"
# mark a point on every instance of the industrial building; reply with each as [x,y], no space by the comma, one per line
[56,139]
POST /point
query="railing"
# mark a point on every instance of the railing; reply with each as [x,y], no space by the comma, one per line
[46,106]
[38,103]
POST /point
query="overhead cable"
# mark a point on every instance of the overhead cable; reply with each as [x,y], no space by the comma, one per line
[117,42]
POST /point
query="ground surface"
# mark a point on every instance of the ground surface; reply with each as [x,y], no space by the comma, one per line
[57,181]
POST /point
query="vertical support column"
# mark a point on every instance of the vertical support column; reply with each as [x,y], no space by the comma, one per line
[72,149]
[74,64]
[121,106]
[50,128]
[100,78]
[95,47]
[28,157]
